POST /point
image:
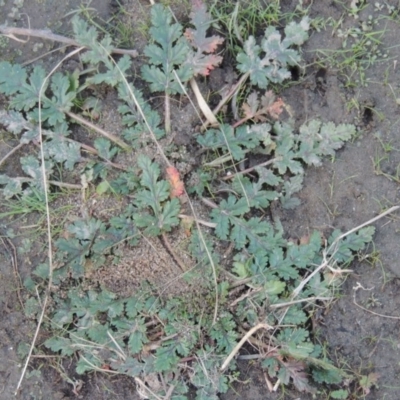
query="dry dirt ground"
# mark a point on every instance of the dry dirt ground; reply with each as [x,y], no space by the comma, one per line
[362,181]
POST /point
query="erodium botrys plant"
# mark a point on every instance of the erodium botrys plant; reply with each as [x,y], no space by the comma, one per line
[263,283]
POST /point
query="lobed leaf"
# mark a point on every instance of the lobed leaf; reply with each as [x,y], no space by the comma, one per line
[202,60]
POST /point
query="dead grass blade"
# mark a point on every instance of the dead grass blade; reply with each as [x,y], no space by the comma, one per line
[50,247]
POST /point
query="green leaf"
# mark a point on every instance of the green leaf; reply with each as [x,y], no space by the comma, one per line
[167,54]
[13,186]
[273,288]
[351,243]
[235,142]
[131,366]
[268,63]
[132,117]
[153,196]
[295,316]
[88,362]
[103,187]
[317,139]
[105,149]
[330,376]
[272,365]
[166,358]
[296,33]
[14,121]
[86,230]
[137,339]
[62,151]
[224,333]
[257,197]
[169,215]
[60,344]
[339,394]
[74,255]
[12,78]
[221,216]
[281,265]
[99,52]
[42,271]
[202,60]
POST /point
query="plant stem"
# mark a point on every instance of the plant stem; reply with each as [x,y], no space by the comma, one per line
[167,114]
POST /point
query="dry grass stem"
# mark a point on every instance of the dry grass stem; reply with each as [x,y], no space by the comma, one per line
[206,110]
[48,220]
[355,289]
[251,169]
[102,132]
[10,153]
[11,31]
[14,262]
[242,342]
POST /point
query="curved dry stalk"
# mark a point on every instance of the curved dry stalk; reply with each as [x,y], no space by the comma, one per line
[211,119]
[242,342]
[11,31]
[50,249]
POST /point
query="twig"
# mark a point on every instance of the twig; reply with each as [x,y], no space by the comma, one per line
[15,149]
[106,134]
[359,286]
[121,352]
[290,303]
[200,221]
[242,342]
[167,244]
[10,31]
[169,392]
[247,170]
[250,292]
[14,262]
[54,183]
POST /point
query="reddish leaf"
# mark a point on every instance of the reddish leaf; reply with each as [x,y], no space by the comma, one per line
[268,107]
[202,60]
[366,382]
[177,187]
[272,107]
[296,370]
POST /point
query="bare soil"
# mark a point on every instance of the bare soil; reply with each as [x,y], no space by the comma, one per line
[361,329]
